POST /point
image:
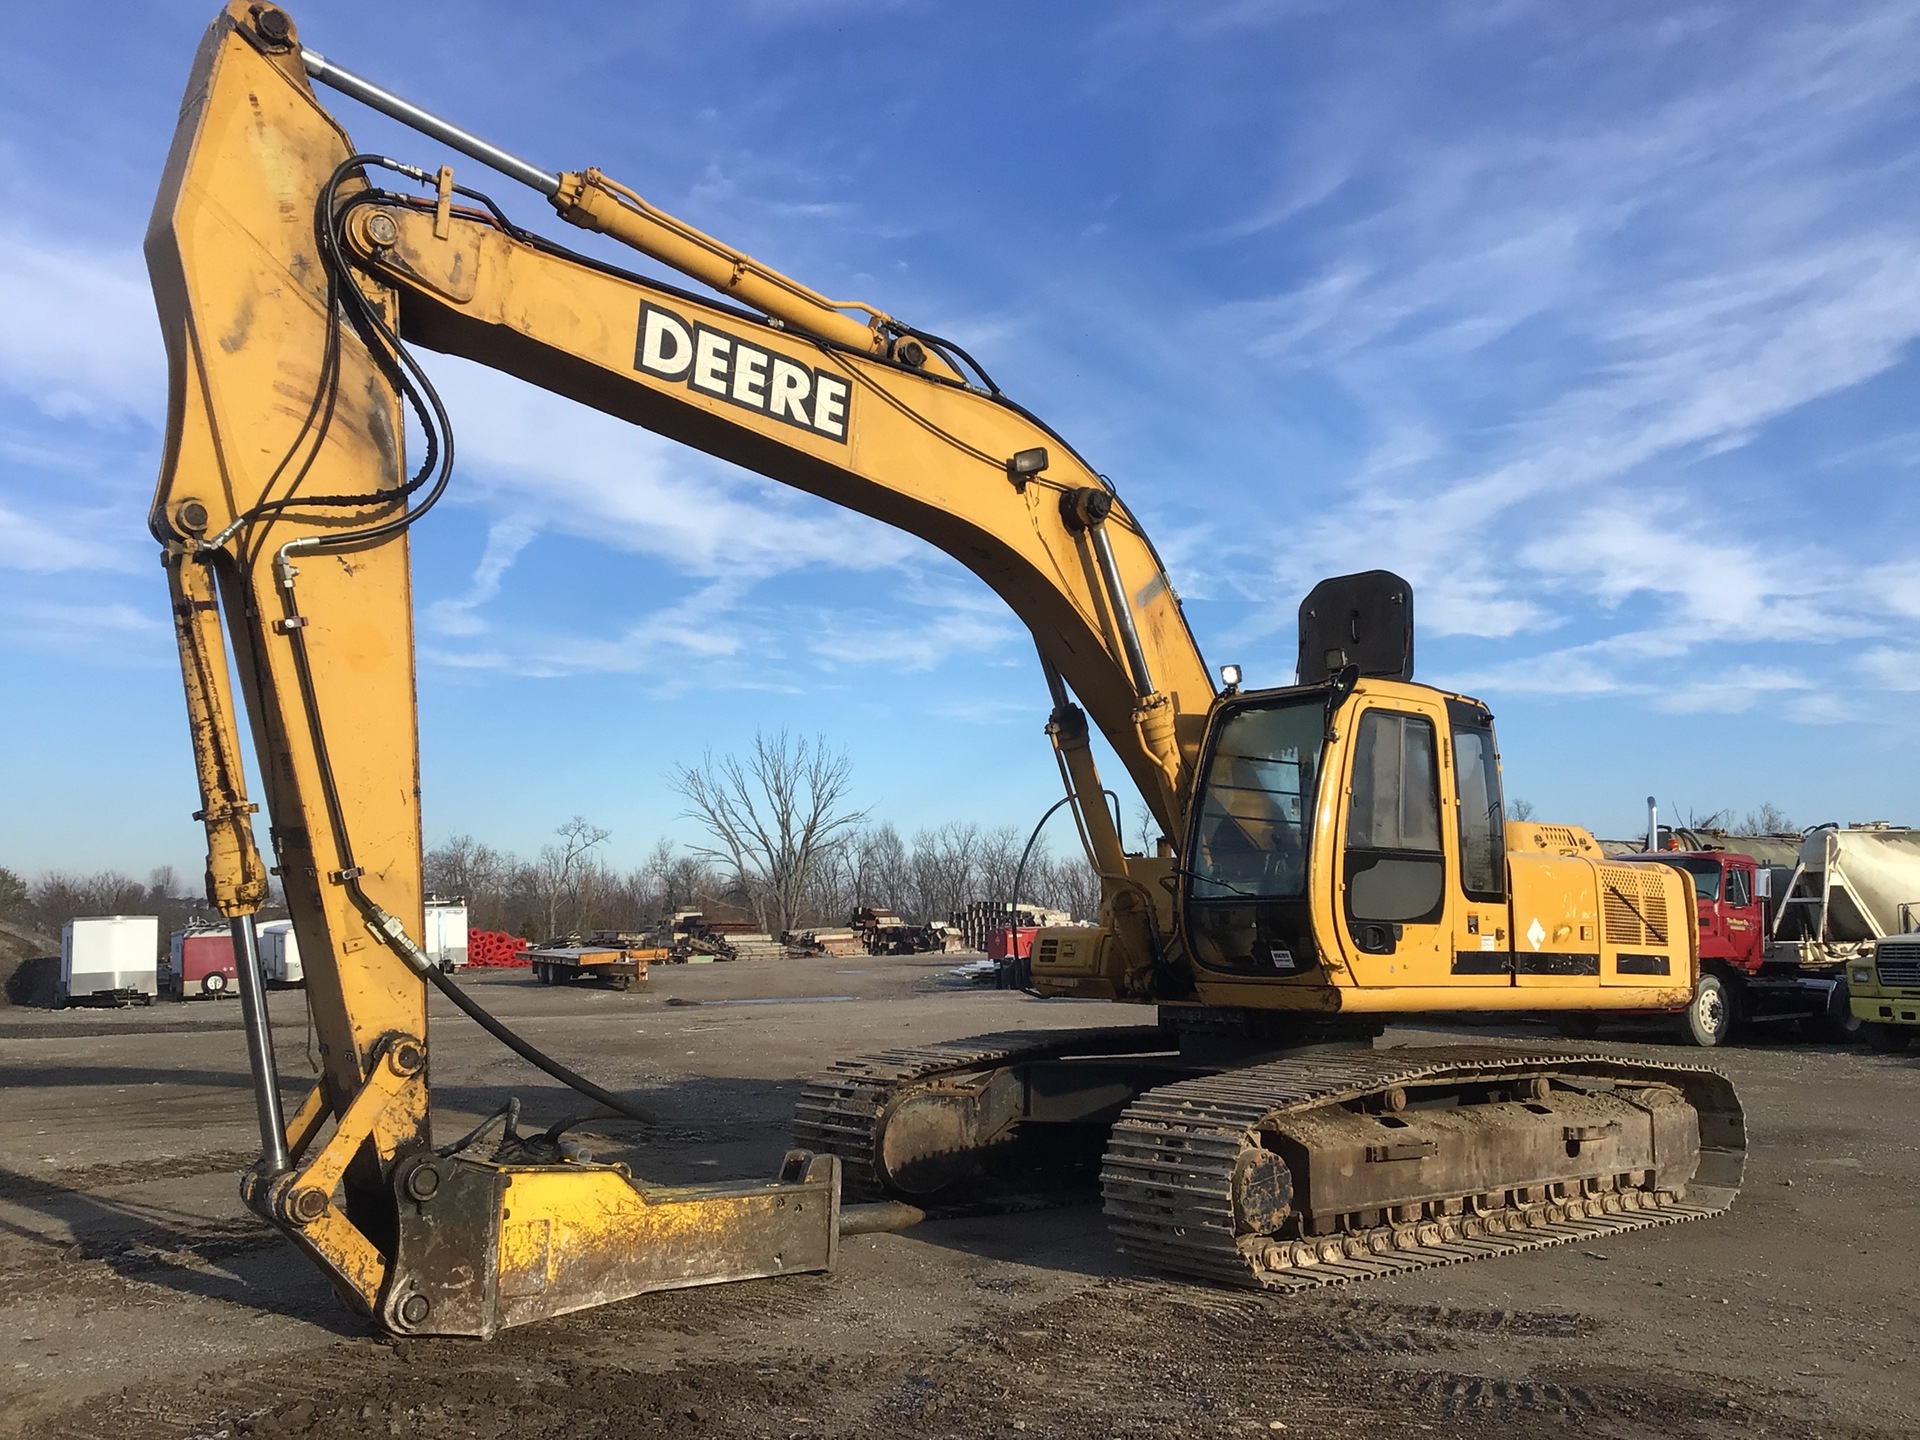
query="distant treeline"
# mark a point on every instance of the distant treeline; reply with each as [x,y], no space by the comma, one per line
[32,913]
[569,888]
[566,889]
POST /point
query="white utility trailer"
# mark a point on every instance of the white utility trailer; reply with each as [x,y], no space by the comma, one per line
[280,954]
[110,960]
[446,937]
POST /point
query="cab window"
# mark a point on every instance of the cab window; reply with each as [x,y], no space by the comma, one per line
[1739,888]
[1395,869]
[1256,811]
[1705,873]
[1483,831]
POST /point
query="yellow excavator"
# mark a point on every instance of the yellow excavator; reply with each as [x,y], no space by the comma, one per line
[1334,850]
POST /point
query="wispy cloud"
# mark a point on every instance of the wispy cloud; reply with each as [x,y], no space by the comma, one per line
[73,541]
[659,642]
[50,624]
[506,538]
[1553,328]
[576,472]
[541,466]
[80,339]
[1892,669]
[932,622]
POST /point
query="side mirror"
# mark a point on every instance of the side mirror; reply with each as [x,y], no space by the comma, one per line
[1763,882]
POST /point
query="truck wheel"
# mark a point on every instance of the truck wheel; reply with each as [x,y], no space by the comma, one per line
[1886,1039]
[1714,1015]
[1839,1022]
[542,972]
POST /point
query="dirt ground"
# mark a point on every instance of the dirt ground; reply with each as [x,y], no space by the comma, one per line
[137,1298]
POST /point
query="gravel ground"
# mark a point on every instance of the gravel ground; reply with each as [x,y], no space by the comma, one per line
[137,1298]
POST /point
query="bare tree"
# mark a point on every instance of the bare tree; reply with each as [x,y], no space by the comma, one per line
[835,889]
[946,869]
[1769,819]
[1146,830]
[462,865]
[1068,883]
[681,881]
[568,873]
[59,897]
[886,870]
[773,815]
[1518,809]
[997,864]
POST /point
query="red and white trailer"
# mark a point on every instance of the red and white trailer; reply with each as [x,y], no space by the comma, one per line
[201,965]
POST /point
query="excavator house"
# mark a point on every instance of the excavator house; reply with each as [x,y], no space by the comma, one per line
[1334,850]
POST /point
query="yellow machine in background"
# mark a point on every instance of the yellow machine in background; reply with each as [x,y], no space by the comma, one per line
[1334,850]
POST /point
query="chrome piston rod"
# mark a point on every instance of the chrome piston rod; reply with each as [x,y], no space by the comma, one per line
[1122,611]
[266,1074]
[409,114]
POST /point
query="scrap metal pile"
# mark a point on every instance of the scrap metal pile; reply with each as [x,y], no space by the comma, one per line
[978,921]
[883,932]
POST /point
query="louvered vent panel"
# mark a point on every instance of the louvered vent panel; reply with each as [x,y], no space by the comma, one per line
[1634,903]
[1049,952]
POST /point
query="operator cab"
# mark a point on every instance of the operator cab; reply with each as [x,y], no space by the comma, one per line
[1276,762]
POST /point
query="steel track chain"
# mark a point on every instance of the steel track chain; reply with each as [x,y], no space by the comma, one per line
[840,1110]
[1168,1177]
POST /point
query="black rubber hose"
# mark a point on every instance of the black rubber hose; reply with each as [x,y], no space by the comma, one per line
[536,1058]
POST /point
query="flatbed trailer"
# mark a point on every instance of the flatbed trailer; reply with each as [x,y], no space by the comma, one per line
[612,965]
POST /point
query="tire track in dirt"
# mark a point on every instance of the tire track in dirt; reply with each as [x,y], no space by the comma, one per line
[1118,1357]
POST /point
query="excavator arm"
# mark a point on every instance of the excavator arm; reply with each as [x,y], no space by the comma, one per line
[289,286]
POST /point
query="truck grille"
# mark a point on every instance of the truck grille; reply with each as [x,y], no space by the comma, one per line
[1898,962]
[1634,902]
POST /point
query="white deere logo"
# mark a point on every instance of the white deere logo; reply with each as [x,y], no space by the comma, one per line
[729,368]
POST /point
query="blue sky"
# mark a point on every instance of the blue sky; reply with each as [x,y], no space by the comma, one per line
[1597,322]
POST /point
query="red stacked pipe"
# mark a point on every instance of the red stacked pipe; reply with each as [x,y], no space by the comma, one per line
[493,949]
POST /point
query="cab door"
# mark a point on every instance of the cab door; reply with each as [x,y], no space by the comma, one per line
[1393,903]
[1743,917]
[1476,819]
[1707,880]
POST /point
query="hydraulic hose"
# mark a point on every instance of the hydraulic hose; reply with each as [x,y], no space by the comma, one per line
[535,1057]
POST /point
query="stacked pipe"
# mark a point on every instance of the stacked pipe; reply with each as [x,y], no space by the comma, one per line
[978,921]
[494,950]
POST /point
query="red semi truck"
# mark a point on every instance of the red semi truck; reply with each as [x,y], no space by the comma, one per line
[1745,975]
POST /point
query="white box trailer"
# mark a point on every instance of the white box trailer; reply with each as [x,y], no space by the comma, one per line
[280,953]
[113,959]
[446,933]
